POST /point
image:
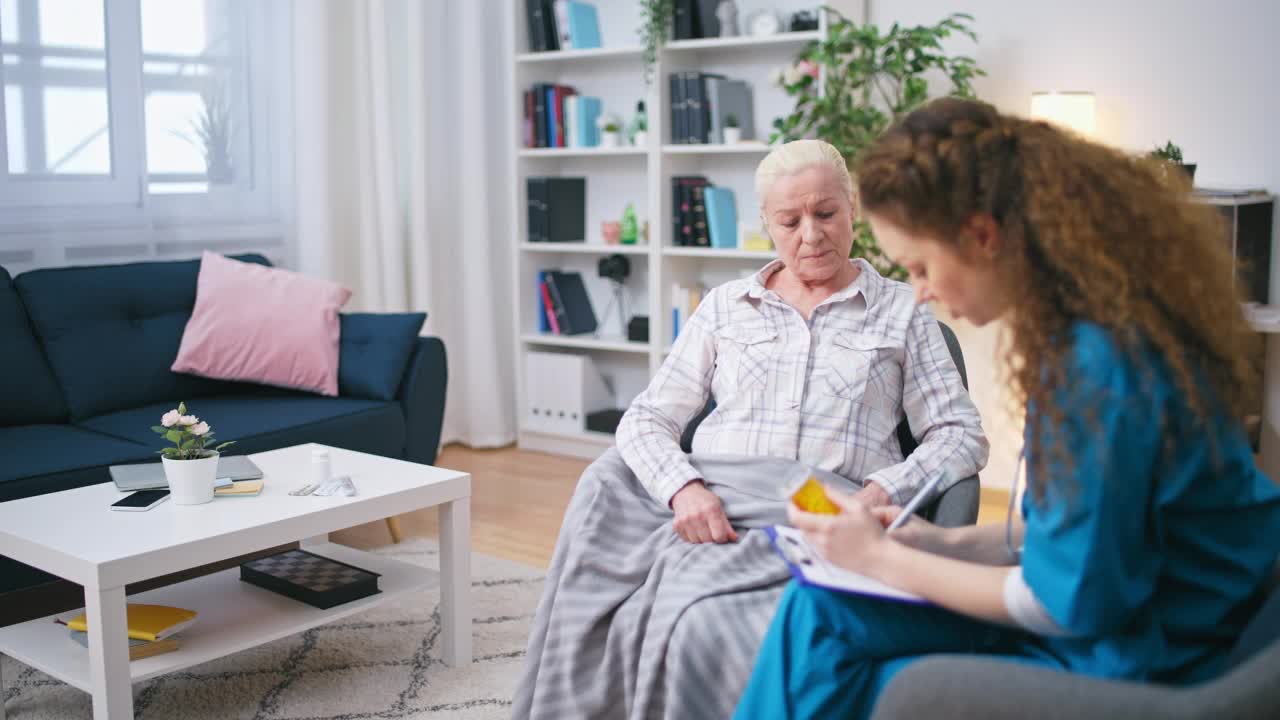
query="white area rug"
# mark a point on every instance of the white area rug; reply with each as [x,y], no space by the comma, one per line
[384,663]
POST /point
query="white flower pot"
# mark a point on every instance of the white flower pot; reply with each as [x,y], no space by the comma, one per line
[191,481]
[732,135]
[609,139]
[641,138]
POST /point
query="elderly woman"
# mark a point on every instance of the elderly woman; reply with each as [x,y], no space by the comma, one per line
[663,581]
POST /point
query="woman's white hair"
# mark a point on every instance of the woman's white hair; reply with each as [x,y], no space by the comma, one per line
[795,156]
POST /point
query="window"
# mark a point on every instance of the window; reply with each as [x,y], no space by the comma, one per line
[146,105]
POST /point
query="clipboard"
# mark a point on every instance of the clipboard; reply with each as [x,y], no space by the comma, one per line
[809,568]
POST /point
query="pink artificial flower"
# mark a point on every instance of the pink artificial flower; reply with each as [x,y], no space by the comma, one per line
[200,429]
[809,68]
[170,418]
[188,420]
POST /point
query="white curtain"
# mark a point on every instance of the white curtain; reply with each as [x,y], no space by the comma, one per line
[401,173]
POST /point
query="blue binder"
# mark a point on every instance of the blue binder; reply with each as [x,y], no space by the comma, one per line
[722,216]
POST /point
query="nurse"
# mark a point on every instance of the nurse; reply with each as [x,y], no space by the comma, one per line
[1146,532]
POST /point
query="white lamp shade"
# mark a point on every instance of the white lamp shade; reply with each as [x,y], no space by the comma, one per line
[1072,110]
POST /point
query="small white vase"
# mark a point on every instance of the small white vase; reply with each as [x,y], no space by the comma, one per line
[609,139]
[191,481]
[732,135]
[641,139]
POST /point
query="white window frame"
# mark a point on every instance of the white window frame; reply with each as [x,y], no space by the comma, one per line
[123,42]
[256,197]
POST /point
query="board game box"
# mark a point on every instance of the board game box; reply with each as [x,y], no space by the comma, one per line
[310,578]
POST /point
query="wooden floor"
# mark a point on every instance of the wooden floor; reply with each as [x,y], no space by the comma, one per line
[518,499]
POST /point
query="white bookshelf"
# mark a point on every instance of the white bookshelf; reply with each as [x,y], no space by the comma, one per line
[641,176]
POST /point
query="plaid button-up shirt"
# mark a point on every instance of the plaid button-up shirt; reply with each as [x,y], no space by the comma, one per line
[828,392]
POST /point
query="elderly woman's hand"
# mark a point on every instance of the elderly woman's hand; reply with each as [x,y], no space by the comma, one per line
[848,540]
[700,517]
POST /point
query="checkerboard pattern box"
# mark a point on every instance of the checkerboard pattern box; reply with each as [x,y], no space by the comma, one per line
[310,578]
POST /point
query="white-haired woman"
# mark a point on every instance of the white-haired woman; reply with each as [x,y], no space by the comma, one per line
[663,582]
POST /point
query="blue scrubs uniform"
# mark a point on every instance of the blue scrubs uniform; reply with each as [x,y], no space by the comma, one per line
[1151,555]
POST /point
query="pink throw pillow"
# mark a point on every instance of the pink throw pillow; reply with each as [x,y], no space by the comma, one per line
[263,325]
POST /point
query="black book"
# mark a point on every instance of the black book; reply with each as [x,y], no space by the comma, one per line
[579,317]
[566,212]
[675,82]
[685,15]
[699,115]
[549,29]
[537,40]
[701,235]
[540,114]
[684,207]
[557,303]
[708,25]
[536,189]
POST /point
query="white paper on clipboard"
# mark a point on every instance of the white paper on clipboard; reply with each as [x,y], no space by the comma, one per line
[808,567]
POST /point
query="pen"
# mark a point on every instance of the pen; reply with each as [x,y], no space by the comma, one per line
[916,502]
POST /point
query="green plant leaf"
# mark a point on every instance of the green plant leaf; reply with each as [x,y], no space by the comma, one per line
[173,436]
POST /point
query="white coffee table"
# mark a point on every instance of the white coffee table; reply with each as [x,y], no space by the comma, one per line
[74,535]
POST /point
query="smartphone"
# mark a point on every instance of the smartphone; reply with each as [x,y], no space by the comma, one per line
[141,500]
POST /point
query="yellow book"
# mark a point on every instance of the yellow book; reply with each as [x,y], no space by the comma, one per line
[242,488]
[147,622]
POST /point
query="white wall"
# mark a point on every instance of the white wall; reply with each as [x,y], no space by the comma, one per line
[1193,72]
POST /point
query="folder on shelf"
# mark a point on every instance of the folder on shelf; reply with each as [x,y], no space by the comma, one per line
[722,217]
[146,622]
[561,389]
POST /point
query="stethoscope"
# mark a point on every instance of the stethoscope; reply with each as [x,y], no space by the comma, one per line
[1015,554]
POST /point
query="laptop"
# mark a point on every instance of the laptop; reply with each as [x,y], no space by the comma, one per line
[150,476]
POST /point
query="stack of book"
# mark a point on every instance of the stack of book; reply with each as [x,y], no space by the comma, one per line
[684,300]
[702,104]
[151,629]
[564,308]
[562,25]
[703,215]
[695,19]
[557,116]
[557,209]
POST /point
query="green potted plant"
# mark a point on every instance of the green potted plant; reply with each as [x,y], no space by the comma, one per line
[655,28]
[191,465]
[610,131]
[871,78]
[1172,155]
[732,133]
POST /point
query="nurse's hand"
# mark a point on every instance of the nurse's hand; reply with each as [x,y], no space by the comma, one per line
[916,532]
[849,540]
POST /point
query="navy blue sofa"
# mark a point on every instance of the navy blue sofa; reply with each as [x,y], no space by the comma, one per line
[84,374]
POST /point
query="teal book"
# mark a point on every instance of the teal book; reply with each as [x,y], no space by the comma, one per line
[588,111]
[584,25]
[722,217]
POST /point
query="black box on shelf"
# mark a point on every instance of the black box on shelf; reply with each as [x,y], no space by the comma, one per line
[313,579]
[604,421]
[638,329]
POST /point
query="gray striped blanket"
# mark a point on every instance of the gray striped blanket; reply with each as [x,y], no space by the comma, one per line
[637,623]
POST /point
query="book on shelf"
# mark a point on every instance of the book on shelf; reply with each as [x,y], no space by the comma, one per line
[566,304]
[542,25]
[557,209]
[722,216]
[138,649]
[684,300]
[562,25]
[146,622]
[683,215]
[700,238]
